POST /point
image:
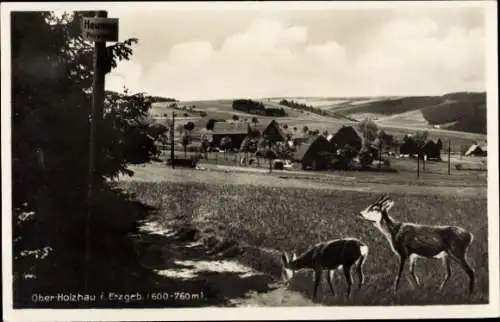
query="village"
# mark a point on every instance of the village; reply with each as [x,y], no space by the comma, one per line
[274,144]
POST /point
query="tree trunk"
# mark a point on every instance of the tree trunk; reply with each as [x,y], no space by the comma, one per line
[270,165]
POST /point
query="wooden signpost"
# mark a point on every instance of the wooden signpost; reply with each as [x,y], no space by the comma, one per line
[98,29]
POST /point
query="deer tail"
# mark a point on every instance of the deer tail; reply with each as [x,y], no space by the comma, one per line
[465,238]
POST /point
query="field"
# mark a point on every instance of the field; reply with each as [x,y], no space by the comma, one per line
[277,212]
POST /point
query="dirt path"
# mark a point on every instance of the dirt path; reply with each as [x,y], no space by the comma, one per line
[226,282]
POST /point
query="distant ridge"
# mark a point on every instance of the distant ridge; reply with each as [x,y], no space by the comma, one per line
[458,111]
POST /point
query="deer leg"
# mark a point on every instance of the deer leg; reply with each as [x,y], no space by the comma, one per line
[465,266]
[446,262]
[317,279]
[347,274]
[331,274]
[402,261]
[359,270]
[413,262]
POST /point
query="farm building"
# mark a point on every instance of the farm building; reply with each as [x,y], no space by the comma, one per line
[432,150]
[347,135]
[409,146]
[316,153]
[271,130]
[476,150]
[237,132]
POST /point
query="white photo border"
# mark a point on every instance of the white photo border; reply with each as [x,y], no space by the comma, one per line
[267,313]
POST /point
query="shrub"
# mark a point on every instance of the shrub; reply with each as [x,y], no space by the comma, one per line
[52,131]
[366,158]
[189,126]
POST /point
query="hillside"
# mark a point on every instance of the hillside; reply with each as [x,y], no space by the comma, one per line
[463,111]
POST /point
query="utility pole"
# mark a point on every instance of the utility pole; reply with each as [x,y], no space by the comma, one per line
[94,171]
[418,164]
[172,134]
[449,157]
[97,107]
[380,155]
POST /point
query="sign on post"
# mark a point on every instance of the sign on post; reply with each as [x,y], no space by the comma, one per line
[100,29]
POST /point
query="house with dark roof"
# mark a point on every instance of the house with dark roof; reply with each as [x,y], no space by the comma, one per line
[347,135]
[431,150]
[315,153]
[237,132]
[271,130]
[409,146]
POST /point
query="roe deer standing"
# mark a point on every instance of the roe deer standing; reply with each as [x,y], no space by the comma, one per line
[410,241]
[329,255]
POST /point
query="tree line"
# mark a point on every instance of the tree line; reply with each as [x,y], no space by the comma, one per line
[303,107]
[152,99]
[254,107]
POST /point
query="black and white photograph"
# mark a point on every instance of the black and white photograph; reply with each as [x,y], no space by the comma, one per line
[247,160]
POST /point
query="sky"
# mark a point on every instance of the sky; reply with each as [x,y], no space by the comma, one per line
[210,54]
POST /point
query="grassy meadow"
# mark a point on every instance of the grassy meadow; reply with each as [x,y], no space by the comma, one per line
[291,218]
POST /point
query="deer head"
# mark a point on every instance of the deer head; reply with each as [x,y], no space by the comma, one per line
[287,273]
[375,211]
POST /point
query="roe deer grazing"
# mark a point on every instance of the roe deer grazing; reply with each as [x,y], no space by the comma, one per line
[411,241]
[329,255]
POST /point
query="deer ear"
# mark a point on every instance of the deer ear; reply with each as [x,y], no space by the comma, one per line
[284,258]
[294,256]
[388,205]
